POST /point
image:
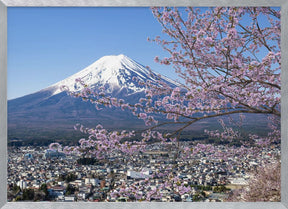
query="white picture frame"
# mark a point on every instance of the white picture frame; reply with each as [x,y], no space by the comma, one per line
[4,4]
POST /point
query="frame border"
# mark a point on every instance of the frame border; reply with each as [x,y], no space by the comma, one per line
[4,4]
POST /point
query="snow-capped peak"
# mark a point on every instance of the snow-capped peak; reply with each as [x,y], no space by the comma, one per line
[113,72]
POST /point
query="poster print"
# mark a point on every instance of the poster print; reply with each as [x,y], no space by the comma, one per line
[204,127]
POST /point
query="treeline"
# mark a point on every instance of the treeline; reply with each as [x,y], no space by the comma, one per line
[67,177]
[38,138]
[87,161]
[18,194]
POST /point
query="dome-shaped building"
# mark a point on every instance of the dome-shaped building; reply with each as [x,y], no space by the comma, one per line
[53,154]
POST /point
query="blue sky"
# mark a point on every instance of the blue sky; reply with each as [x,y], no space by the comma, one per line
[46,45]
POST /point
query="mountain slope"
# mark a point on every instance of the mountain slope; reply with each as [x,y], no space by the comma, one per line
[50,114]
[51,110]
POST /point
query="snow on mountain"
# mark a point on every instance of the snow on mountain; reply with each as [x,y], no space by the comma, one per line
[113,72]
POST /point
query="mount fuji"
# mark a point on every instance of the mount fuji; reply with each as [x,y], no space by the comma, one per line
[51,113]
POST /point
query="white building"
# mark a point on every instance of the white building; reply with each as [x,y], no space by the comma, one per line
[239,181]
[136,175]
[94,182]
[69,199]
[22,184]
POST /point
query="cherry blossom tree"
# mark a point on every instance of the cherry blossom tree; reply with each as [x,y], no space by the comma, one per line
[228,61]
[229,58]
[264,185]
